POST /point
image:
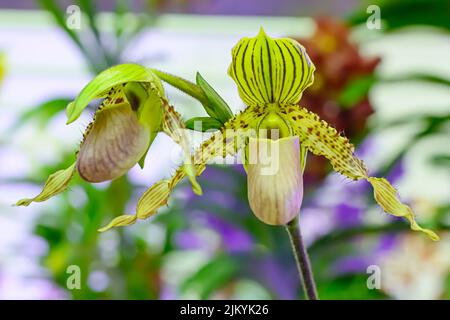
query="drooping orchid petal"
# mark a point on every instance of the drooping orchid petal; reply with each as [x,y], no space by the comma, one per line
[322,139]
[274,179]
[270,70]
[154,198]
[56,183]
[174,126]
[386,196]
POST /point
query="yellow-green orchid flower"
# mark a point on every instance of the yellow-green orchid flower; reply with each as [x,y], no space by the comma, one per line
[134,109]
[271,75]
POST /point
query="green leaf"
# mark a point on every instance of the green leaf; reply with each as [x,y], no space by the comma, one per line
[43,112]
[402,13]
[355,91]
[442,160]
[113,76]
[207,124]
[418,77]
[120,11]
[217,107]
[348,287]
[210,277]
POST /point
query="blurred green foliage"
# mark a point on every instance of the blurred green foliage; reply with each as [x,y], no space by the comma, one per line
[105,50]
[403,13]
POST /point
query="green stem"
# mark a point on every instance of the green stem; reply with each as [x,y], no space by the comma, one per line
[184,85]
[302,259]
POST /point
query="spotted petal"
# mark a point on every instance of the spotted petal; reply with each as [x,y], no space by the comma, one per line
[386,196]
[322,139]
[174,126]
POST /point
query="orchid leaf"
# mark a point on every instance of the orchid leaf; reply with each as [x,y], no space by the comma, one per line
[403,13]
[43,112]
[356,90]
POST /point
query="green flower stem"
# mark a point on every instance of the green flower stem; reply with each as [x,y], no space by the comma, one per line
[302,259]
[184,85]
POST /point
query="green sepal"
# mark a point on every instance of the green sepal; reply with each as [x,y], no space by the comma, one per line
[217,107]
[99,86]
[207,124]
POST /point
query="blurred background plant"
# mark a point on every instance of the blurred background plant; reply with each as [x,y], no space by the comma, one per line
[386,89]
[100,48]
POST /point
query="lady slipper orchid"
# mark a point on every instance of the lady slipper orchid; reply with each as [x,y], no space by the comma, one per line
[134,109]
[273,132]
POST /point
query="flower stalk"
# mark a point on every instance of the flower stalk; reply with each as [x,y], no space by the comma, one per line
[302,259]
